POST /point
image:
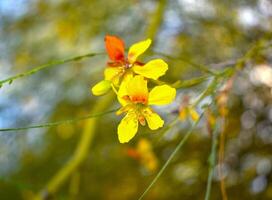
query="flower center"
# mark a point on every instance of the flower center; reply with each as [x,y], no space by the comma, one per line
[139,99]
[128,65]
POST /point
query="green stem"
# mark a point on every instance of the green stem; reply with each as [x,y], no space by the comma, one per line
[212,160]
[181,143]
[185,83]
[191,82]
[80,153]
[260,44]
[167,128]
[156,20]
[47,65]
[201,67]
[51,124]
[209,90]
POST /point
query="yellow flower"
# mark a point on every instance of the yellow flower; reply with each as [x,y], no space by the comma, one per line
[187,111]
[143,152]
[135,99]
[148,158]
[119,65]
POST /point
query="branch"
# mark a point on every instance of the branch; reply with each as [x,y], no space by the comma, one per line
[262,43]
[80,153]
[201,67]
[191,82]
[208,91]
[212,160]
[156,20]
[51,124]
[47,65]
[181,143]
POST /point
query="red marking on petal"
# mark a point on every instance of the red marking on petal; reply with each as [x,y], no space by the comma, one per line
[114,64]
[139,99]
[139,63]
[115,48]
[126,98]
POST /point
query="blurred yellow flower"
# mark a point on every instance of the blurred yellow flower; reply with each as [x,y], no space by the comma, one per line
[135,99]
[119,65]
[148,158]
[221,101]
[143,152]
[188,112]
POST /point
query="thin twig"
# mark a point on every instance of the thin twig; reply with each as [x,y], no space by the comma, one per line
[50,124]
[221,160]
[191,82]
[166,129]
[260,44]
[47,65]
[209,90]
[184,83]
[201,67]
[212,160]
[184,139]
[80,153]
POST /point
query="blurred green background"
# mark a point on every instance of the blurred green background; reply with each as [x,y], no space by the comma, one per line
[34,32]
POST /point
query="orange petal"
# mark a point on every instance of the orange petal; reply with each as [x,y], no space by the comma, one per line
[115,48]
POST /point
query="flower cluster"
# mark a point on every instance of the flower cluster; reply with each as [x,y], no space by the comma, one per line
[129,78]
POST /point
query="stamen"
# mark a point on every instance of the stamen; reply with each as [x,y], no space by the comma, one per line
[141,120]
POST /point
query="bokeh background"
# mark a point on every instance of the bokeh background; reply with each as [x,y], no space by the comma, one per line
[33,32]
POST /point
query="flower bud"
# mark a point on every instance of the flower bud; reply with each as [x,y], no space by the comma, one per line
[101,88]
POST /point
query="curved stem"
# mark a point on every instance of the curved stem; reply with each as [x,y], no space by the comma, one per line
[156,20]
[181,143]
[80,153]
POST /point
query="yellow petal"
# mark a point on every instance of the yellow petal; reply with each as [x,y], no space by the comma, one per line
[113,74]
[128,127]
[144,146]
[153,69]
[147,156]
[154,121]
[122,92]
[137,49]
[161,95]
[194,115]
[101,87]
[137,87]
[183,114]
